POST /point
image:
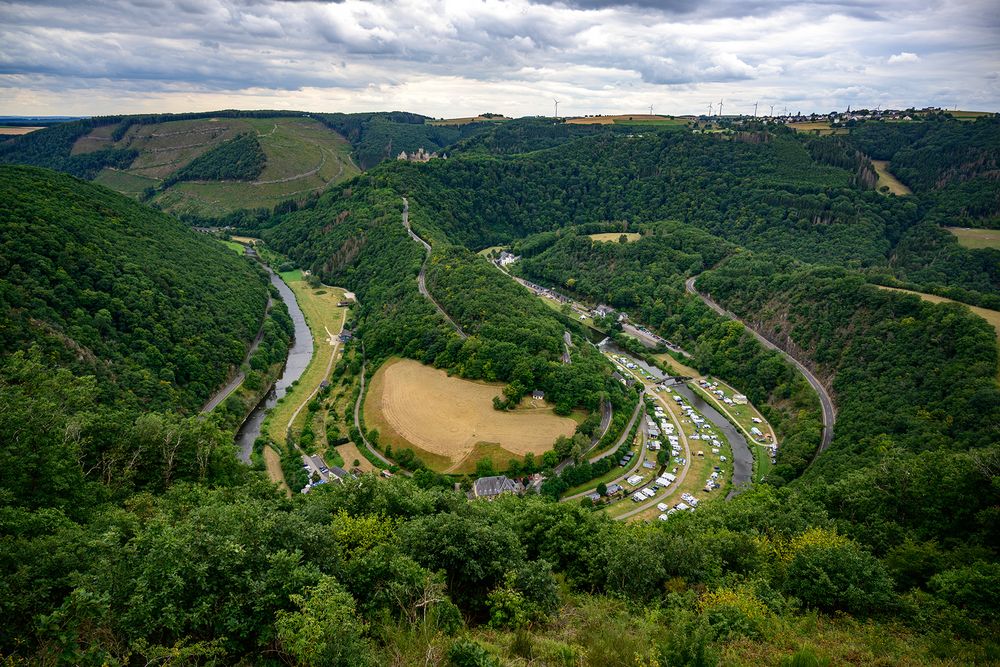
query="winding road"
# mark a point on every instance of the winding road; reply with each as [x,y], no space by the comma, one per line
[421,277]
[826,403]
[357,424]
[223,393]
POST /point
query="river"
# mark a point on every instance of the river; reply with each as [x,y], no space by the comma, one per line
[299,356]
[742,457]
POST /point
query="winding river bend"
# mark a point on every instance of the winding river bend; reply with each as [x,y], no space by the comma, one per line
[299,356]
[742,457]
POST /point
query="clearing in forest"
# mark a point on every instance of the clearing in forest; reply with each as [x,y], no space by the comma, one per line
[615,237]
[450,423]
[976,238]
[885,178]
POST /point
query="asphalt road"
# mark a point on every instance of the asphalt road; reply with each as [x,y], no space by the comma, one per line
[357,425]
[829,410]
[422,276]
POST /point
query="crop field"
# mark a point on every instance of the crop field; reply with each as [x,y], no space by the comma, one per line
[125,182]
[885,178]
[17,131]
[991,316]
[675,367]
[818,127]
[450,422]
[968,115]
[976,238]
[466,120]
[302,156]
[614,237]
[628,119]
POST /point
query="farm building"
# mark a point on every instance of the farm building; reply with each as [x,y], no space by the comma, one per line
[538,395]
[491,487]
[507,258]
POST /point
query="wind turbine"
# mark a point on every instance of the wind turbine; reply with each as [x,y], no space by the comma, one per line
[772,111]
[755,109]
[650,109]
[720,108]
[557,106]
[710,107]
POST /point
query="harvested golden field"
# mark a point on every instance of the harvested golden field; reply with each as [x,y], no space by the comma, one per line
[885,178]
[467,120]
[614,237]
[17,131]
[626,118]
[818,127]
[976,238]
[450,422]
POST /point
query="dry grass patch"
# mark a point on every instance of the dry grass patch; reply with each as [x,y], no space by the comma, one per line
[274,472]
[615,237]
[976,238]
[350,453]
[448,421]
[885,178]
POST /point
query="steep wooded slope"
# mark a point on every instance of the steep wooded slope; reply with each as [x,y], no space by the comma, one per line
[110,288]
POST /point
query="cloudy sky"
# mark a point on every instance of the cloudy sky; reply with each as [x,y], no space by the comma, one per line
[449,58]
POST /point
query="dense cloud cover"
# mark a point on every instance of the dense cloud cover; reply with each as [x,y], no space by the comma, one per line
[455,57]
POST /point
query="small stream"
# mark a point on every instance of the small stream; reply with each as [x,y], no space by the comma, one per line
[299,356]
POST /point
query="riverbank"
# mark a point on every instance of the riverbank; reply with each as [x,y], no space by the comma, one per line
[325,321]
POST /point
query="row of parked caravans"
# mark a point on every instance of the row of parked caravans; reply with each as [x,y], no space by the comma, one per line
[661,482]
[688,503]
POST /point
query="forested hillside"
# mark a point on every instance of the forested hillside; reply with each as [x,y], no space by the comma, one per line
[646,279]
[377,137]
[131,535]
[915,386]
[354,237]
[106,287]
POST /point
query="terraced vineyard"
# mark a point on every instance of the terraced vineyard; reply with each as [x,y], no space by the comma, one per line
[303,156]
